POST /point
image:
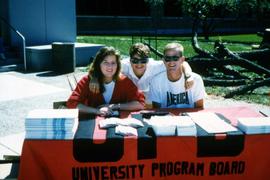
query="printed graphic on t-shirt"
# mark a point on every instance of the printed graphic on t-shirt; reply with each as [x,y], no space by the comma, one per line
[176,99]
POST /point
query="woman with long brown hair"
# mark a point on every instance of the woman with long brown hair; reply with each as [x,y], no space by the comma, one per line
[117,92]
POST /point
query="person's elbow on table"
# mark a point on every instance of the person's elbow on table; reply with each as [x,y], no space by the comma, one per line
[199,104]
[133,105]
[71,104]
[141,105]
[156,104]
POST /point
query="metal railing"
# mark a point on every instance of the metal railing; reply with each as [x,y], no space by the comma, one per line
[21,36]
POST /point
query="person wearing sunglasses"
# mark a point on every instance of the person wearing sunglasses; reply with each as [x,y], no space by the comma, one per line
[167,89]
[117,92]
[141,69]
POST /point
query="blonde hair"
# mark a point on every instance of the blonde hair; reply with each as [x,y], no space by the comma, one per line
[174,46]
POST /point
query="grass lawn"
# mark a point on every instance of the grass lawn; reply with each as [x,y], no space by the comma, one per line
[233,42]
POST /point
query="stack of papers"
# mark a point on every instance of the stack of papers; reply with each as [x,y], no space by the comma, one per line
[125,127]
[112,122]
[211,123]
[126,130]
[255,125]
[172,125]
[186,127]
[51,124]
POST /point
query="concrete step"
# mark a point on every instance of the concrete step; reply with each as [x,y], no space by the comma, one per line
[8,61]
[41,57]
[11,67]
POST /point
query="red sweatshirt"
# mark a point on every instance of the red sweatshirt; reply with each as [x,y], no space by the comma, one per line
[124,91]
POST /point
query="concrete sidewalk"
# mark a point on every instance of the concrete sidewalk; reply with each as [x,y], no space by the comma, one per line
[20,93]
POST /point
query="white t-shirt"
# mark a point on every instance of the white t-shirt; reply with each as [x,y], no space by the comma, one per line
[152,69]
[173,94]
[108,91]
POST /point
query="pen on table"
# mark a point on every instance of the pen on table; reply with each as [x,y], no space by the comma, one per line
[263,114]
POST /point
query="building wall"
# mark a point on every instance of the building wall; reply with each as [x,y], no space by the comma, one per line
[41,21]
[3,14]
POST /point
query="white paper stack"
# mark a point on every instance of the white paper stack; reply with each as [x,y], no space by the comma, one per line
[125,127]
[112,122]
[172,125]
[162,125]
[126,130]
[185,126]
[255,125]
[211,123]
[51,124]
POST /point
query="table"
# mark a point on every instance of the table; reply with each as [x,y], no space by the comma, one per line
[100,154]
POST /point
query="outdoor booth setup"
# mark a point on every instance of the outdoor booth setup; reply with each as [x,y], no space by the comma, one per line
[96,153]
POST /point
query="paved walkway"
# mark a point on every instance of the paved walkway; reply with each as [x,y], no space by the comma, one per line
[22,92]
[19,93]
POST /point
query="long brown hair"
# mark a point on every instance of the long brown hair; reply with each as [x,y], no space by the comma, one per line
[95,70]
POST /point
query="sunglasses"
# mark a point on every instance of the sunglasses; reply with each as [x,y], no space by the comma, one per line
[138,61]
[171,58]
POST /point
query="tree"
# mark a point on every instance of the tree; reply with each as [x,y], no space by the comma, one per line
[205,11]
[263,9]
[246,8]
[156,10]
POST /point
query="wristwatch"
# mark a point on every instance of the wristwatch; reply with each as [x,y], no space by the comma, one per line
[116,106]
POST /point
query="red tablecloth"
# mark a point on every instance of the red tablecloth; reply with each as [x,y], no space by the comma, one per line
[161,158]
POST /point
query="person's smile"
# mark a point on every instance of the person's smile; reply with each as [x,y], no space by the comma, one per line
[108,67]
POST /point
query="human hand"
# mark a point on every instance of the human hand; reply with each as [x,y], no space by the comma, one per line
[189,82]
[105,111]
[111,106]
[93,85]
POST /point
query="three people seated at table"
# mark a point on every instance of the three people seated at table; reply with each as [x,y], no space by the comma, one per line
[108,87]
[141,69]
